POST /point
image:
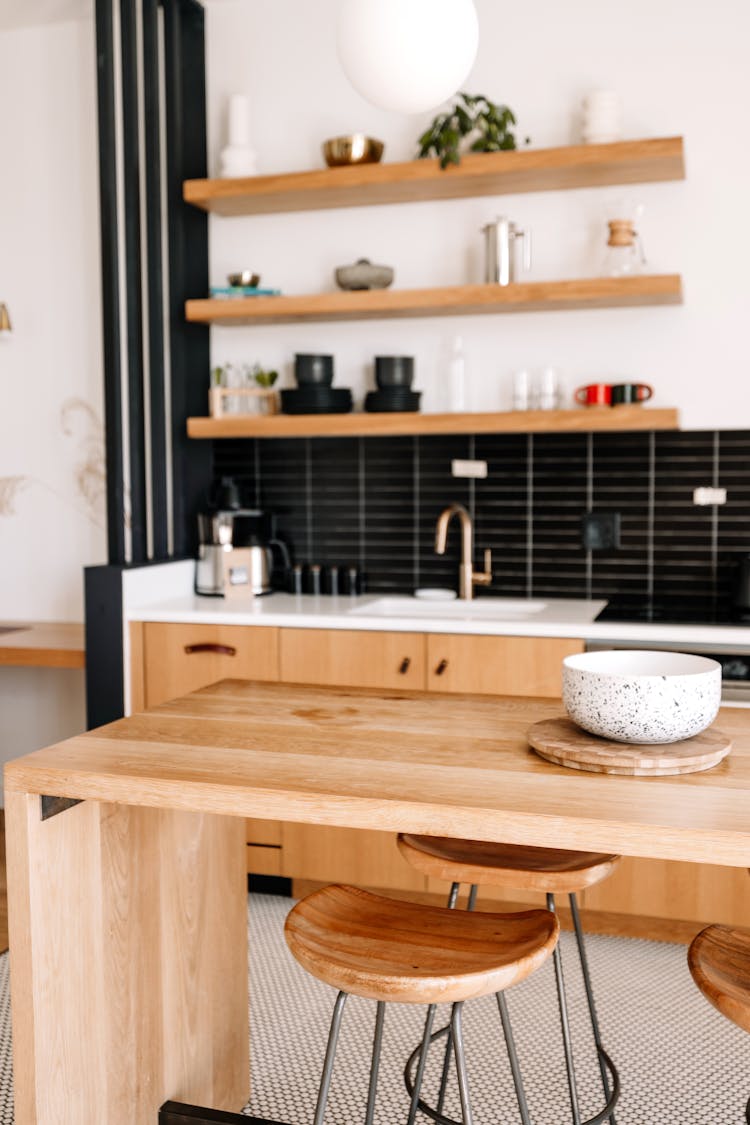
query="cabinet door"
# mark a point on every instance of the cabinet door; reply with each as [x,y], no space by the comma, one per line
[498,665]
[682,892]
[352,658]
[182,658]
[347,855]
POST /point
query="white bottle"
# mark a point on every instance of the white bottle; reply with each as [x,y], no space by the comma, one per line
[238,159]
[457,377]
[521,390]
[549,390]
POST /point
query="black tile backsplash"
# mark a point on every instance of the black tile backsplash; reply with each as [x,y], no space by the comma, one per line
[373,503]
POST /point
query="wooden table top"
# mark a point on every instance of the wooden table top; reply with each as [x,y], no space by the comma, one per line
[42,644]
[397,761]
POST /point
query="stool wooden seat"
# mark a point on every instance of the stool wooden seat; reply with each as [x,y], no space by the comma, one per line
[388,950]
[549,870]
[719,960]
[382,949]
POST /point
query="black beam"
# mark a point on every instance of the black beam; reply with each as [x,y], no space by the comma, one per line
[185,82]
[155,278]
[105,693]
[110,282]
[175,1113]
[131,165]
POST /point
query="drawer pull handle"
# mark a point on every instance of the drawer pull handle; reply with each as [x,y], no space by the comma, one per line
[405,665]
[441,667]
[220,650]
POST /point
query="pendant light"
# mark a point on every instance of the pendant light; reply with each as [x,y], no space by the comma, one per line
[407,55]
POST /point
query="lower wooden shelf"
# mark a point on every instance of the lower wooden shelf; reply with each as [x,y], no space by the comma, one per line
[456,300]
[617,418]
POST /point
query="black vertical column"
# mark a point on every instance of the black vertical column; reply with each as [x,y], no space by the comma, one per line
[185,73]
[155,277]
[110,282]
[131,171]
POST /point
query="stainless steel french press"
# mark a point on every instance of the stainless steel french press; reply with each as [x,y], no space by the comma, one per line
[501,246]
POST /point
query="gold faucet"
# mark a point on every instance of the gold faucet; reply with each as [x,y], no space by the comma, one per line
[468,578]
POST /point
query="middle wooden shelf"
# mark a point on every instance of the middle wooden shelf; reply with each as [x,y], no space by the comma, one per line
[455,300]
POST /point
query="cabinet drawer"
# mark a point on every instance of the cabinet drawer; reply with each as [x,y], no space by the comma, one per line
[182,658]
[498,665]
[352,658]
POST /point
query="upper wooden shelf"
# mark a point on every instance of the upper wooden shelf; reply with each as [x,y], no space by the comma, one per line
[500,173]
[381,425]
[455,300]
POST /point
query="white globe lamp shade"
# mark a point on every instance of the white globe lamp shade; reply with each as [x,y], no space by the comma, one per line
[407,55]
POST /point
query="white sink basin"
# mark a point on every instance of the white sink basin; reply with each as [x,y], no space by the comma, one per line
[482,609]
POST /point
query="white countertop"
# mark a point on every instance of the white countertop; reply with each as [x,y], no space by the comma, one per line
[559,618]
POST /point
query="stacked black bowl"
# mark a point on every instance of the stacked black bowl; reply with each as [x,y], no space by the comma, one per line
[314,393]
[393,375]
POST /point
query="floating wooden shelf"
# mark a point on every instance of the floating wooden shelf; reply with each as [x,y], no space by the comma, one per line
[455,300]
[501,173]
[380,425]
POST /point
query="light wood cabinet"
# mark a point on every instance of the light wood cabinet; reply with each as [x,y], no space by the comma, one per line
[497,665]
[346,855]
[181,658]
[352,658]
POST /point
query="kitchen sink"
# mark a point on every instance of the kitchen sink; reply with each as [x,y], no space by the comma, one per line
[481,609]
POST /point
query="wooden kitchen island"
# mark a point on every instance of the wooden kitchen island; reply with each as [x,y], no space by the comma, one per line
[128,925]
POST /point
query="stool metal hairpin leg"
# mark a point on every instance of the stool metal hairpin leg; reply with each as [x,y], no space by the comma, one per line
[564,1023]
[377,1042]
[611,1094]
[333,1036]
[471,904]
[463,1079]
[510,1044]
[426,1040]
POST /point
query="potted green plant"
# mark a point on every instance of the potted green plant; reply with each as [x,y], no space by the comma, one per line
[487,126]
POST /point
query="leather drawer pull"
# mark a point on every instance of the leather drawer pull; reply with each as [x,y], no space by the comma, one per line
[441,667]
[405,665]
[220,650]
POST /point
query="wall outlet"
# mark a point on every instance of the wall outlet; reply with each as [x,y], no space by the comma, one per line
[476,469]
[706,496]
[600,531]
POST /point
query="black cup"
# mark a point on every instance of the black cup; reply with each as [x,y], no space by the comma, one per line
[313,370]
[630,392]
[394,370]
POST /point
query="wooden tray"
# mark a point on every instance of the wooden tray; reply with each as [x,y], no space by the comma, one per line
[562,742]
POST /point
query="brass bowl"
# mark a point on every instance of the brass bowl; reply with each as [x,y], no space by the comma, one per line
[353,149]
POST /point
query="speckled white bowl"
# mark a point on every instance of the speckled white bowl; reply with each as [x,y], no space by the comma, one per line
[641,695]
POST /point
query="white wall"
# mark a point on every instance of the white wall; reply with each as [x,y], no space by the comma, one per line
[680,67]
[51,440]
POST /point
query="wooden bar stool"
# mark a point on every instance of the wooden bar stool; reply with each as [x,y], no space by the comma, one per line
[719,960]
[388,950]
[550,871]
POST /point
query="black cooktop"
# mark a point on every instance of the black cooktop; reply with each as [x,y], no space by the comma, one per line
[676,613]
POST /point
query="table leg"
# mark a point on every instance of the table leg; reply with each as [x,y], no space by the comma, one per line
[128,937]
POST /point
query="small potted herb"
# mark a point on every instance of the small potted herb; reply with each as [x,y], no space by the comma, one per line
[487,126]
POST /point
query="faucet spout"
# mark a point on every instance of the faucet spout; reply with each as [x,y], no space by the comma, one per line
[467,577]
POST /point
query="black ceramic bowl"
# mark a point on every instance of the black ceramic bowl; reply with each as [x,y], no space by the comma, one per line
[313,369]
[394,370]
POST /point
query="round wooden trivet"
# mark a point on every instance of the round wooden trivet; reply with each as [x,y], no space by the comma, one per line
[562,742]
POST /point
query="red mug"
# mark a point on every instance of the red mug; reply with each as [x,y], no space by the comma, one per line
[594,394]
